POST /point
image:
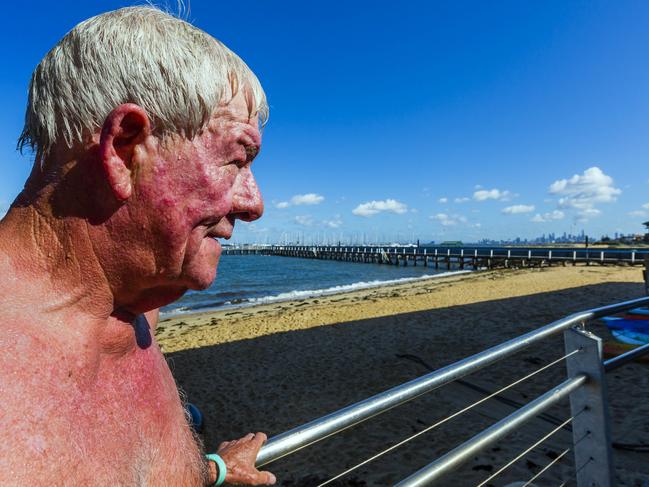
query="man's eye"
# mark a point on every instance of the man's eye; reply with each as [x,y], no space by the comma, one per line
[251,152]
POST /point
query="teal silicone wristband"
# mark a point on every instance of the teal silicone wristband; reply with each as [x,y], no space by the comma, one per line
[222,469]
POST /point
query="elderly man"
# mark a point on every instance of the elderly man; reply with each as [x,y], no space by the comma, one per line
[144,130]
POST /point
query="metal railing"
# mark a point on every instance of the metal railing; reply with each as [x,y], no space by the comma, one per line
[585,386]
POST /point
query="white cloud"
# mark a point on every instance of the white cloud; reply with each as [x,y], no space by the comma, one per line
[373,207]
[443,218]
[301,199]
[583,191]
[255,229]
[443,200]
[492,194]
[546,217]
[516,209]
[640,213]
[462,200]
[304,220]
[336,222]
[307,199]
[589,213]
[448,220]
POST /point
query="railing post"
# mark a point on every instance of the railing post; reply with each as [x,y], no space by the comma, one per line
[645,274]
[591,428]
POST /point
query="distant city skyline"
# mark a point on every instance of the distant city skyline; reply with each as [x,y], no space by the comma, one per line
[427,120]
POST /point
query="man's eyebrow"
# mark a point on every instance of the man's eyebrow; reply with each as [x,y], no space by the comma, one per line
[228,116]
[235,117]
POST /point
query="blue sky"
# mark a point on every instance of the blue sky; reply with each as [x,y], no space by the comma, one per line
[401,120]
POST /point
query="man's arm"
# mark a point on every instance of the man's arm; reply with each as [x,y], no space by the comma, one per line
[239,455]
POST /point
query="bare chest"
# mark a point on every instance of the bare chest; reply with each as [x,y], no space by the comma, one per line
[107,419]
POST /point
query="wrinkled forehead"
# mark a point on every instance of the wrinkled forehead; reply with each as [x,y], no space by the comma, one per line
[237,118]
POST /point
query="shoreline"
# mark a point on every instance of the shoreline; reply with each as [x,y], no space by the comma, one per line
[212,327]
[298,295]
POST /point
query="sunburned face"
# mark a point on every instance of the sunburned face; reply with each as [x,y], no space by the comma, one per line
[196,190]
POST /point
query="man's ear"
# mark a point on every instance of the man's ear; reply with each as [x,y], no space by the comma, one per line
[124,128]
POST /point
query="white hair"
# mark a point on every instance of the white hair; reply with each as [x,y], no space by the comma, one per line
[176,72]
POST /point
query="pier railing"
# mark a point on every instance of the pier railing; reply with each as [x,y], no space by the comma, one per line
[454,257]
[585,386]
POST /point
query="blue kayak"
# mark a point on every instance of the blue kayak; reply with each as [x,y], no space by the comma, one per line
[630,330]
[639,312]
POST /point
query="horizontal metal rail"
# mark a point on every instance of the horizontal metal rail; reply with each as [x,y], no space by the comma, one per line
[492,434]
[318,429]
[625,358]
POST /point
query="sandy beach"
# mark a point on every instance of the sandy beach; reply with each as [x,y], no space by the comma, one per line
[273,367]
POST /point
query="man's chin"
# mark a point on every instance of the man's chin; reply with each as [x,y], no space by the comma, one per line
[200,275]
[155,298]
[202,282]
[199,269]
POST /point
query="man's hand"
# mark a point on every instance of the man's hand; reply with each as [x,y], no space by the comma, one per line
[239,457]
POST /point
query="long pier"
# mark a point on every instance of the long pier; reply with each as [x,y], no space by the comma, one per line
[453,257]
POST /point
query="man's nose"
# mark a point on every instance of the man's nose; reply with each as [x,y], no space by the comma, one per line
[247,203]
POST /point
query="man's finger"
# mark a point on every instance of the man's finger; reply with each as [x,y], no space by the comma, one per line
[265,478]
[248,437]
[260,439]
[270,478]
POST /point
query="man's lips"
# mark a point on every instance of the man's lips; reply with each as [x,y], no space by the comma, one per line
[216,232]
[220,229]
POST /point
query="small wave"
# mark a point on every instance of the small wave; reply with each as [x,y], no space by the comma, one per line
[304,294]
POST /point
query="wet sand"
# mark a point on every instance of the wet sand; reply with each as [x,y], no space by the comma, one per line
[272,367]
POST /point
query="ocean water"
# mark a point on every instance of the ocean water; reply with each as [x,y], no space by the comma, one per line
[246,280]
